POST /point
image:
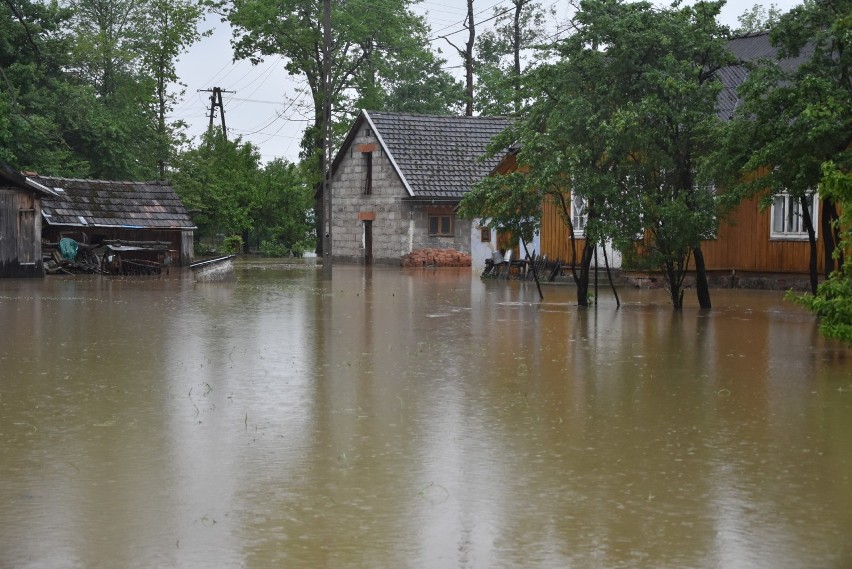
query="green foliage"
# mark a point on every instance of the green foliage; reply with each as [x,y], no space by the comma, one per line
[833,299]
[759,18]
[518,35]
[78,97]
[624,120]
[233,244]
[379,56]
[230,193]
[506,203]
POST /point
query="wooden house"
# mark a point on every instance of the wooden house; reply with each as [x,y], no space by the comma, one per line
[751,240]
[397,180]
[20,224]
[93,211]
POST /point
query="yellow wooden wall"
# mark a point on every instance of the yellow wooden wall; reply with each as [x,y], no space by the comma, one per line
[743,244]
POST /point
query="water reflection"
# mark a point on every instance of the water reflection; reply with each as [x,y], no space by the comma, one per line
[415,419]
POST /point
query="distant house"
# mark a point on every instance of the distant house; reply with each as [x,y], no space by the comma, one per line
[97,210]
[20,224]
[397,180]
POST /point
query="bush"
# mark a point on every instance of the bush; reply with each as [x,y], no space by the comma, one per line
[272,248]
[233,244]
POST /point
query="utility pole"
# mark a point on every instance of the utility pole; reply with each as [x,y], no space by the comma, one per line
[216,101]
[326,161]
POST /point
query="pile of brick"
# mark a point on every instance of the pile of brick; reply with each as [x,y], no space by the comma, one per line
[436,258]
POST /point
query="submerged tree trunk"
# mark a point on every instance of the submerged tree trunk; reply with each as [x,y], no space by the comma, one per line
[583,279]
[809,226]
[702,287]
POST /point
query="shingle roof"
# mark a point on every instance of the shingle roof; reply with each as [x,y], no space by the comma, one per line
[438,156]
[148,205]
[749,49]
[9,177]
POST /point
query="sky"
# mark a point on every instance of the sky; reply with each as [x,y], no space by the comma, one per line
[270,108]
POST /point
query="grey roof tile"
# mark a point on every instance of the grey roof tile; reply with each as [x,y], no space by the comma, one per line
[439,156]
[749,49]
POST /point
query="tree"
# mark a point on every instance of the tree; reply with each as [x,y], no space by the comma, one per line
[624,121]
[170,26]
[123,122]
[37,107]
[218,180]
[832,301]
[758,19]
[500,53]
[363,38]
[231,194]
[794,118]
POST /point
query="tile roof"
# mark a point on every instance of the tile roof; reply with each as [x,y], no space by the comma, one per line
[750,49]
[147,205]
[438,156]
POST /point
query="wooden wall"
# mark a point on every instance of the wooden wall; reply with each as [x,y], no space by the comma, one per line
[555,237]
[743,244]
[20,234]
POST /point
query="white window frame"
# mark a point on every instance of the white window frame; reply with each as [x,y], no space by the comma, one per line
[580,218]
[786,222]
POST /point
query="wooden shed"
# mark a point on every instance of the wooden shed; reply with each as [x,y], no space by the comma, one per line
[20,224]
[94,211]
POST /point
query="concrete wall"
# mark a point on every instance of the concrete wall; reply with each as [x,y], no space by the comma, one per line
[399,224]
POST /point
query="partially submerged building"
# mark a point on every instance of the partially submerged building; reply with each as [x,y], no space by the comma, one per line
[398,179]
[20,224]
[94,211]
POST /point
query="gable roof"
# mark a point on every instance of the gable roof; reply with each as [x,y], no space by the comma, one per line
[436,157]
[12,178]
[102,203]
[749,49]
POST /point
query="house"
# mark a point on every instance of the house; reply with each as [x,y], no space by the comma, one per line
[753,239]
[750,240]
[397,180]
[20,224]
[93,211]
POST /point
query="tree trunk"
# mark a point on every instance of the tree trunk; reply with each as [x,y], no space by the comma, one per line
[809,226]
[702,288]
[583,280]
[830,236]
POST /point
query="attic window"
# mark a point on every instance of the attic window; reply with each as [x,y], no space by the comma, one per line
[368,132]
[368,172]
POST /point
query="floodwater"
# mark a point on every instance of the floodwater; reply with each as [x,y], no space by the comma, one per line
[420,419]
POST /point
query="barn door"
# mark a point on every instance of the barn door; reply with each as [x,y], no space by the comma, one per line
[26,237]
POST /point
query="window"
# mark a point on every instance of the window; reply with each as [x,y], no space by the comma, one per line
[441,225]
[787,219]
[485,234]
[368,170]
[579,214]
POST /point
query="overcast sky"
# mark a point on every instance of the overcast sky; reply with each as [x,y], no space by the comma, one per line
[271,109]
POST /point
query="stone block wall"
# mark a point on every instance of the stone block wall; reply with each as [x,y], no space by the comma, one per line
[399,226]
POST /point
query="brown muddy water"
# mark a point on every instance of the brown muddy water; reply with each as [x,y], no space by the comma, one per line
[415,419]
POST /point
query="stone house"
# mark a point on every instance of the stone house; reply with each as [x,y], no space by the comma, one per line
[398,179]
